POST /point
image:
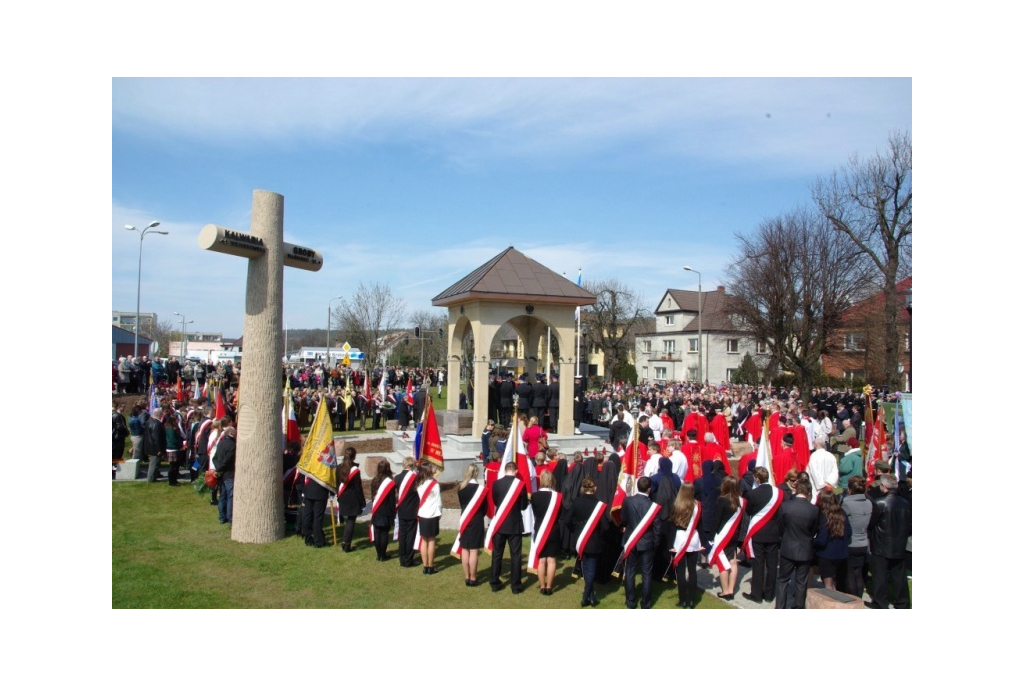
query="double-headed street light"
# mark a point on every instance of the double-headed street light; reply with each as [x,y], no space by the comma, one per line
[138,288]
[700,307]
[184,340]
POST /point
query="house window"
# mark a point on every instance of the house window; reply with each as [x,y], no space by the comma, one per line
[732,345]
[670,345]
[761,347]
[729,373]
[854,342]
[645,372]
[646,346]
[693,345]
[670,320]
[660,373]
[856,374]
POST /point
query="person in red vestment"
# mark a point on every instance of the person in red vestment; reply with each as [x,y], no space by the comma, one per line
[692,449]
[753,426]
[720,428]
[712,450]
[785,459]
[667,424]
[698,422]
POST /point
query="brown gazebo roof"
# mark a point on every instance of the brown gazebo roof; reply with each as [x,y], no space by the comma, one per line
[512,276]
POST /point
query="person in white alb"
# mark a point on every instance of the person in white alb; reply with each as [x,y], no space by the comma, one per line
[822,468]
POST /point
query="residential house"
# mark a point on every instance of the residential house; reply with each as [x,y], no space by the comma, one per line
[692,330]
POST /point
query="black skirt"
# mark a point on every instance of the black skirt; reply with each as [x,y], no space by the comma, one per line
[429,528]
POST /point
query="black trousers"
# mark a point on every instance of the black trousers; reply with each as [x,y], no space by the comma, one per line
[856,565]
[885,572]
[792,587]
[764,570]
[350,529]
[406,538]
[380,540]
[553,418]
[515,548]
[313,519]
[686,577]
[645,560]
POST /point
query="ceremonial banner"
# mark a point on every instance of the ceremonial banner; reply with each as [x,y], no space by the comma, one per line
[430,439]
[318,460]
[764,457]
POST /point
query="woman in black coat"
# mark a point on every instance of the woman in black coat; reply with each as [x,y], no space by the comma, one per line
[706,489]
[383,514]
[582,508]
[351,500]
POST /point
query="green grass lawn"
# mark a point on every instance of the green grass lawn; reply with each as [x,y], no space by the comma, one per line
[169,551]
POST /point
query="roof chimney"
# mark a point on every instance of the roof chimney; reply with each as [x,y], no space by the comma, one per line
[721,288]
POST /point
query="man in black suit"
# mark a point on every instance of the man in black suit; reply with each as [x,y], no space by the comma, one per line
[419,403]
[524,394]
[553,389]
[798,519]
[766,541]
[633,511]
[313,507]
[510,531]
[539,400]
[506,393]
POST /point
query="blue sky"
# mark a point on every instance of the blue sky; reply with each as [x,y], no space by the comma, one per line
[415,182]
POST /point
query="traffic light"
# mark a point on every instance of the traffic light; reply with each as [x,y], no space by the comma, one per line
[417,329]
[440,334]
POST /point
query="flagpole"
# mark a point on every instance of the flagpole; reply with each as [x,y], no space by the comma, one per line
[579,317]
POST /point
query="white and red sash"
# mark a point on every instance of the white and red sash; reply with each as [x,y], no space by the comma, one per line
[467,515]
[683,537]
[761,518]
[385,488]
[511,497]
[423,500]
[589,527]
[547,524]
[201,432]
[717,554]
[351,475]
[640,529]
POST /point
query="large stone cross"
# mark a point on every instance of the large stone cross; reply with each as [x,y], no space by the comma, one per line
[258,514]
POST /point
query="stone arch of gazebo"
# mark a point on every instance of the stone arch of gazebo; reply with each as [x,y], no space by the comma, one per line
[512,289]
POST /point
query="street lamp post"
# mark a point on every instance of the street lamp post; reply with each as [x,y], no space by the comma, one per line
[700,324]
[138,287]
[329,328]
[184,340]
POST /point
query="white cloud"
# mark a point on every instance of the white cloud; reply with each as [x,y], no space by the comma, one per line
[800,121]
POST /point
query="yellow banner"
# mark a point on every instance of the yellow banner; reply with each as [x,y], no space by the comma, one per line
[318,460]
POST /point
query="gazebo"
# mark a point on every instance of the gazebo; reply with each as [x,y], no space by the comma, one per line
[515,290]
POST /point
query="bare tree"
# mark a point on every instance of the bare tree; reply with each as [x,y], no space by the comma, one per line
[367,315]
[870,202]
[614,320]
[792,282]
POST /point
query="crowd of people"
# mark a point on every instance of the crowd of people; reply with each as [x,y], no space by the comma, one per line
[680,506]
